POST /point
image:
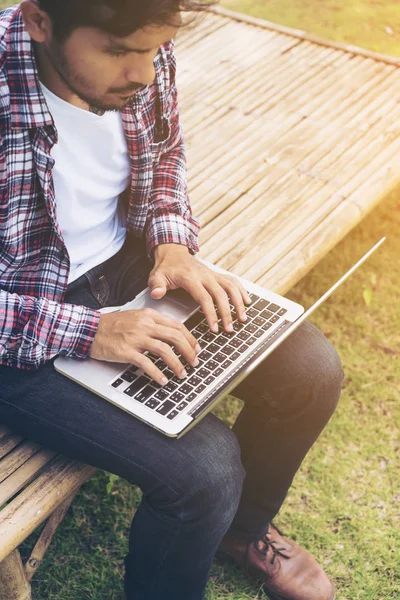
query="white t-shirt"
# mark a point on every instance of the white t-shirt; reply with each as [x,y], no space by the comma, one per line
[92,168]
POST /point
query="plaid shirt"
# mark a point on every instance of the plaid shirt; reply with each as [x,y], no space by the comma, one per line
[35,323]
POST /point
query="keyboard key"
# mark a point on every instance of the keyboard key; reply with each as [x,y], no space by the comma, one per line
[261,304]
[201,388]
[274,319]
[152,403]
[253,298]
[161,395]
[282,312]
[258,321]
[235,355]
[209,337]
[238,326]
[145,393]
[220,340]
[191,397]
[218,372]
[203,373]
[117,382]
[251,340]
[170,386]
[243,335]
[185,389]
[251,313]
[172,414]
[205,355]
[136,386]
[266,314]
[226,364]
[194,380]
[166,407]
[209,379]
[128,376]
[228,350]
[182,406]
[176,397]
[250,328]
[259,333]
[274,307]
[220,357]
[213,348]
[211,365]
[235,343]
[242,348]
[194,320]
[196,333]
[203,327]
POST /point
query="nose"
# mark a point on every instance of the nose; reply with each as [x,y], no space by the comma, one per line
[143,73]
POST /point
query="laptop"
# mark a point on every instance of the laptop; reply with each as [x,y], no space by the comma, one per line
[225,360]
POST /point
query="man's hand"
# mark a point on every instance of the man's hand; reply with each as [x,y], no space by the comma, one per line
[125,336]
[176,268]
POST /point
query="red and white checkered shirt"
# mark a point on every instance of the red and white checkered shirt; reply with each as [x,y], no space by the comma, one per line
[35,323]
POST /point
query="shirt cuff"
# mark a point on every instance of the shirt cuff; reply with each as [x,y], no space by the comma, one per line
[171,228]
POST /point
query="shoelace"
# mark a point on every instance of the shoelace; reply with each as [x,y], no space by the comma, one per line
[268,544]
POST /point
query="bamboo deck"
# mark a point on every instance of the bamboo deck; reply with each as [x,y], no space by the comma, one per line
[291,141]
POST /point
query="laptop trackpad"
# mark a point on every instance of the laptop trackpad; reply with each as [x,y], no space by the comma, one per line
[177,304]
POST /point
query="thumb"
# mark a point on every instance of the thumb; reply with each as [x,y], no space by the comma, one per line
[158,286]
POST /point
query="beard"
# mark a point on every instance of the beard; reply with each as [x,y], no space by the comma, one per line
[77,83]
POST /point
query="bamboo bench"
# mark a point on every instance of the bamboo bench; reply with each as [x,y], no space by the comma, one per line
[291,140]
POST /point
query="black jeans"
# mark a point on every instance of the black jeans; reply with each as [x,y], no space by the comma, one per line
[213,479]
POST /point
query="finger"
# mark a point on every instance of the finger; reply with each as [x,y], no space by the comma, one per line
[222,301]
[232,288]
[171,323]
[199,293]
[141,361]
[165,352]
[176,338]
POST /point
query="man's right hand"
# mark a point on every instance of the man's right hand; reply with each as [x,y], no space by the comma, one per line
[124,337]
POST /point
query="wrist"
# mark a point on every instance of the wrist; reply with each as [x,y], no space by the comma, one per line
[167,249]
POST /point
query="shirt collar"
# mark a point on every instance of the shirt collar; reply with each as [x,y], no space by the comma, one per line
[28,107]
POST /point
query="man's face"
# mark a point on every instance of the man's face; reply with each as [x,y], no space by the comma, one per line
[105,71]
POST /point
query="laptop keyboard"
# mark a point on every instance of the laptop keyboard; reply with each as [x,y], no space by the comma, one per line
[219,351]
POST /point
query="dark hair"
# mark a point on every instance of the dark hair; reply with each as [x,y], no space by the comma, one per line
[117,17]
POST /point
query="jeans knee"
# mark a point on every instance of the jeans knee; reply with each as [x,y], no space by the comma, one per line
[214,486]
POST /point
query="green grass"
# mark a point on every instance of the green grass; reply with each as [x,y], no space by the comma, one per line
[373,24]
[344,504]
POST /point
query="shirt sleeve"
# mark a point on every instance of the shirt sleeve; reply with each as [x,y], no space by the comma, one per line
[34,330]
[170,218]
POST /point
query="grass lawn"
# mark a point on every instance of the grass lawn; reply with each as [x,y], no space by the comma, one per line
[344,504]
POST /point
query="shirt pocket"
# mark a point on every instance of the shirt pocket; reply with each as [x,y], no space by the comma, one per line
[162,134]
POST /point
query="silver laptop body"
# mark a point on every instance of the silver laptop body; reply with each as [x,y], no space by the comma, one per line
[225,360]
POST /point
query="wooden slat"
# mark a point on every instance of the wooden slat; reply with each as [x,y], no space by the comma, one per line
[275,149]
[262,23]
[24,474]
[8,442]
[32,506]
[16,458]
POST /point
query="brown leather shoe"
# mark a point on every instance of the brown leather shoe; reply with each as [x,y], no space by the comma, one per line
[287,571]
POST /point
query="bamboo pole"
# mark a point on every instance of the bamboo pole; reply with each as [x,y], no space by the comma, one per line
[13,583]
[35,559]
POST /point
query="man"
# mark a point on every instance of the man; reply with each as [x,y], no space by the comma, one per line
[93,207]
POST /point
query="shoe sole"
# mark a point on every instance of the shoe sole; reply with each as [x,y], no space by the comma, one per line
[275,597]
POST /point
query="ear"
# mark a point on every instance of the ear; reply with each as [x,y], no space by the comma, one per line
[36,21]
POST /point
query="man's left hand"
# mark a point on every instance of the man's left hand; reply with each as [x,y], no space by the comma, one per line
[176,268]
